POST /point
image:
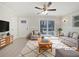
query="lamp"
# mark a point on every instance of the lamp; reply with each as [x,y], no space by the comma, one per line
[65,19]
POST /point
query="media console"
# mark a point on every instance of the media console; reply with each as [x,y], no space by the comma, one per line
[6,40]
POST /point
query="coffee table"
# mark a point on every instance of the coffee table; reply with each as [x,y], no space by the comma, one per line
[44,45]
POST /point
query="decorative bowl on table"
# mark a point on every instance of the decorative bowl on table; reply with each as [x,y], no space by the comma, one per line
[45,39]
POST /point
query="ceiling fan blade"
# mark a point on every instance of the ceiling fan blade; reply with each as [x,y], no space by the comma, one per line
[44,7]
[51,10]
[49,4]
[38,8]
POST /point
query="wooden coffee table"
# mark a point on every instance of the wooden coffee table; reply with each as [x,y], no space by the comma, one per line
[44,45]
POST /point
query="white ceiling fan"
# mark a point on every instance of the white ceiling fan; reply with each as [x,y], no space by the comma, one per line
[45,8]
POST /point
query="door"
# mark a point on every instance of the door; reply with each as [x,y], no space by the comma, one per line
[50,27]
[22,28]
[47,27]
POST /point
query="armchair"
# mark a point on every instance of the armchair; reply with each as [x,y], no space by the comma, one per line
[35,34]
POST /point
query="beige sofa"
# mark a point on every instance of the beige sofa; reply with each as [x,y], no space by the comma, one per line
[66,53]
[72,41]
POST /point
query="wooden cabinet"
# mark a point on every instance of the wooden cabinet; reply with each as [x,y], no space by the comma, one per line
[5,41]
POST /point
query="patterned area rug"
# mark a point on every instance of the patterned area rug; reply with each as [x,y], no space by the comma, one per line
[31,49]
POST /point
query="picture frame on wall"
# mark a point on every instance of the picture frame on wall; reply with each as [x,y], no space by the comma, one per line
[23,21]
[76,21]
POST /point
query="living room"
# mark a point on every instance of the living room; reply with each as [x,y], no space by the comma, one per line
[24,18]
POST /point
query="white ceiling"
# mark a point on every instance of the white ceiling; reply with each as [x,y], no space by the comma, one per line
[27,8]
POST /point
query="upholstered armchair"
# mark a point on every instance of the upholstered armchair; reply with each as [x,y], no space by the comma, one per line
[35,34]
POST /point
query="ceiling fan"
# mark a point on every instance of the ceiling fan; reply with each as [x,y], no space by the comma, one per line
[45,8]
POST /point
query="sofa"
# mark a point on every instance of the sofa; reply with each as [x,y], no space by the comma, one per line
[71,40]
[66,53]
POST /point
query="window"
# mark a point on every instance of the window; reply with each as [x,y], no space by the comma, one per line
[47,27]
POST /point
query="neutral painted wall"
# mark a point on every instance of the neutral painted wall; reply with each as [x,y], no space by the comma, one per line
[18,29]
[22,27]
[12,25]
[34,22]
[68,25]
[7,14]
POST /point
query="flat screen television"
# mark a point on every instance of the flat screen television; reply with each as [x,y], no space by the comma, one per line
[4,26]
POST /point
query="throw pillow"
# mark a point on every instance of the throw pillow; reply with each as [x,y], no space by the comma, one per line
[70,34]
[78,37]
[75,35]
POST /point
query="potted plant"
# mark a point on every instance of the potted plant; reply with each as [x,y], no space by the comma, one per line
[59,31]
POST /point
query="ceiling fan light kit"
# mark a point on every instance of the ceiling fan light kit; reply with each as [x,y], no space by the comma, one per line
[44,13]
[45,8]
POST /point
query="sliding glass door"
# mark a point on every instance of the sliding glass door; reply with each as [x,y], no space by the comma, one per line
[47,27]
[50,27]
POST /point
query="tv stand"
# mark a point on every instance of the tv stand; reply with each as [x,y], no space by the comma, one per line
[6,40]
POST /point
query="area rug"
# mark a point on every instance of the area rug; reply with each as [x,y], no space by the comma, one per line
[31,49]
